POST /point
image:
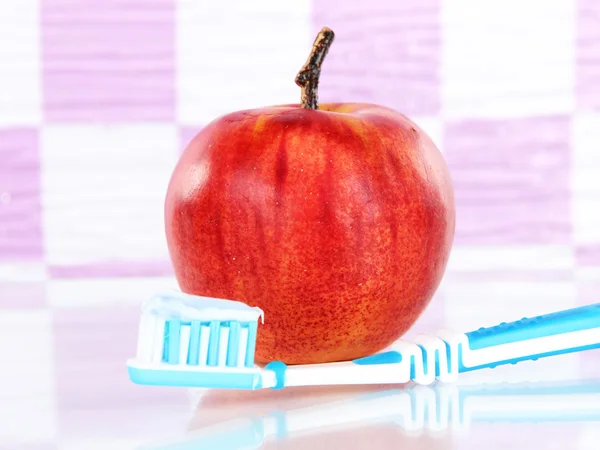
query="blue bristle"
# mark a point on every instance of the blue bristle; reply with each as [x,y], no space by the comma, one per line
[251,347]
[214,343]
[234,344]
[174,338]
[194,347]
[166,336]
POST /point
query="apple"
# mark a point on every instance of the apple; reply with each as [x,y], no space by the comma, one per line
[336,219]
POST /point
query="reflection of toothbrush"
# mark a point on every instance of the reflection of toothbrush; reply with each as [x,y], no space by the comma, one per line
[194,341]
[415,410]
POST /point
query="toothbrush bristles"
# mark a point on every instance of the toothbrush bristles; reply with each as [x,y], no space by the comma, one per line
[195,343]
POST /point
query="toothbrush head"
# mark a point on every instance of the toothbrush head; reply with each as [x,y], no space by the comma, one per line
[190,341]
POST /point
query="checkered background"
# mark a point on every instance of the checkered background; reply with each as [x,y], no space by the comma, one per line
[98,98]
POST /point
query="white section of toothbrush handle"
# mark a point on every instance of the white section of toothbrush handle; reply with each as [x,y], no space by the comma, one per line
[531,347]
[429,358]
[455,355]
[346,373]
[440,359]
[350,373]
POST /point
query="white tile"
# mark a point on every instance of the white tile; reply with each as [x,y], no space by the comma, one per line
[471,303]
[235,54]
[29,420]
[589,436]
[20,63]
[27,377]
[26,343]
[504,58]
[102,291]
[103,191]
[587,274]
[433,126]
[489,258]
[585,178]
[22,272]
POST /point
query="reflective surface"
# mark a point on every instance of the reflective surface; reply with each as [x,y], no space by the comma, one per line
[63,383]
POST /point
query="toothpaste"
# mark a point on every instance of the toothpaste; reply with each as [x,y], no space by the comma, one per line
[174,305]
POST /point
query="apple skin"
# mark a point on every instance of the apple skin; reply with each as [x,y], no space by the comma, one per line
[337,222]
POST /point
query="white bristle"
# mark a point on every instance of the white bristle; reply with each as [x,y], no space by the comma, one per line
[242,348]
[204,340]
[156,334]
[145,338]
[184,344]
[223,343]
[151,342]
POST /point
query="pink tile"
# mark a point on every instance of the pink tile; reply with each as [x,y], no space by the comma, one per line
[186,134]
[23,295]
[588,54]
[588,292]
[385,51]
[108,61]
[110,269]
[20,196]
[588,255]
[511,180]
[92,346]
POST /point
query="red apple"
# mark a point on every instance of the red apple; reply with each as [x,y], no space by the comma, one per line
[336,219]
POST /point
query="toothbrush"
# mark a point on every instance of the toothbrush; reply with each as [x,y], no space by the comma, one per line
[191,341]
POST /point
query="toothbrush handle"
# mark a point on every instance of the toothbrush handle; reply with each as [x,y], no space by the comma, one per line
[529,338]
[542,329]
[576,319]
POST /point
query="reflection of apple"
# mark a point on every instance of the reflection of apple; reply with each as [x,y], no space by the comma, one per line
[336,219]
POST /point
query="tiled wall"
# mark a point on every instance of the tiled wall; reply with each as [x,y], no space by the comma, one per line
[97,99]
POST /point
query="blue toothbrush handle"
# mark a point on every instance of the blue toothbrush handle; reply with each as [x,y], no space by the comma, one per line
[575,319]
[489,340]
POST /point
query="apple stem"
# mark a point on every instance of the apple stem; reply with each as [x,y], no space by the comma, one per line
[308,77]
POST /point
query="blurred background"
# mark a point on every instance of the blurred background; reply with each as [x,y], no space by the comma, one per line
[98,99]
